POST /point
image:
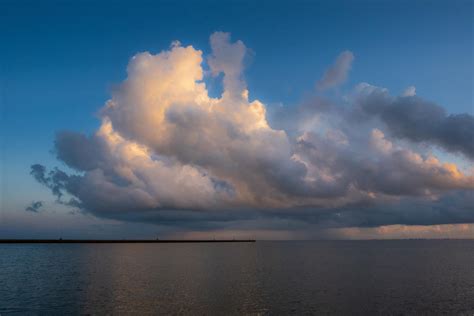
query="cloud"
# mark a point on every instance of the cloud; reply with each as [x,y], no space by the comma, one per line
[34,206]
[58,182]
[459,231]
[79,151]
[228,58]
[168,153]
[409,92]
[415,119]
[337,73]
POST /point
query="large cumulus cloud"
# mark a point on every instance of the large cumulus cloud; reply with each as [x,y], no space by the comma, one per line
[169,153]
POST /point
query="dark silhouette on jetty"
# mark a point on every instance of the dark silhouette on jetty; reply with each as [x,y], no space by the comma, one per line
[118,241]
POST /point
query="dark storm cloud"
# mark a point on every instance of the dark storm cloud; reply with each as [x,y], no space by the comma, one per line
[453,208]
[79,151]
[418,120]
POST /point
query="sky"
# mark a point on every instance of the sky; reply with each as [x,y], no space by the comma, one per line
[265,119]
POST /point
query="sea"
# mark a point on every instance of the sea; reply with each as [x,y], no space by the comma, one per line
[398,277]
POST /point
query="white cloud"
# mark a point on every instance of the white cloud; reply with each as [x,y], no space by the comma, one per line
[409,92]
[379,142]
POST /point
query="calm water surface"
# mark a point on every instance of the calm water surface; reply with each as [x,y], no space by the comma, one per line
[266,278]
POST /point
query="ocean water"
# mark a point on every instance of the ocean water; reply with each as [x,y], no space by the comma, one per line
[262,278]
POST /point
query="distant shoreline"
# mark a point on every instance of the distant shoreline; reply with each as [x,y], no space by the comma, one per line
[117,241]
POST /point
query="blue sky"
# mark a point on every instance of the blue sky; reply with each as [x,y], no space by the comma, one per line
[60,59]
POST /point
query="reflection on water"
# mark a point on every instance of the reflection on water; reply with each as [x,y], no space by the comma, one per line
[344,277]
